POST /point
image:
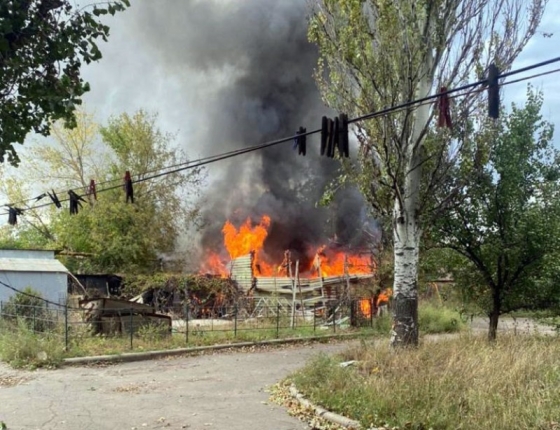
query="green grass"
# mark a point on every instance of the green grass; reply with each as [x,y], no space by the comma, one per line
[21,347]
[462,383]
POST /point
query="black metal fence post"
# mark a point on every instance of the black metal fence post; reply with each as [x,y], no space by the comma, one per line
[371,313]
[235,321]
[66,327]
[131,328]
[334,319]
[186,324]
[277,320]
[314,317]
[34,319]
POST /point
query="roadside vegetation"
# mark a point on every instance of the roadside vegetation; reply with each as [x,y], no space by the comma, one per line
[459,383]
[21,346]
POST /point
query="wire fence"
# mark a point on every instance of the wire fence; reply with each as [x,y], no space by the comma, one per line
[129,328]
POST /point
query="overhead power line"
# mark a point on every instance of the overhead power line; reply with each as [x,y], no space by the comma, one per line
[179,167]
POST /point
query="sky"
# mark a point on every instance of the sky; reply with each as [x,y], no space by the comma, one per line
[130,77]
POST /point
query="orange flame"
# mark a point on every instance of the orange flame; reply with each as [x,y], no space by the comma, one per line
[247,238]
[339,263]
[250,238]
[365,307]
[214,264]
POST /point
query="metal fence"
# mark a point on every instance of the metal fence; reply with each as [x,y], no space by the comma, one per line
[128,328]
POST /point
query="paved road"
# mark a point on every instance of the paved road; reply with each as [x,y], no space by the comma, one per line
[219,391]
[225,390]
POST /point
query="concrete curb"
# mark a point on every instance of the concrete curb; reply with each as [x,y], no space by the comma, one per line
[150,355]
[323,413]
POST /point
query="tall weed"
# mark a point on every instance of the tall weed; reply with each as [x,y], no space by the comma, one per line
[21,347]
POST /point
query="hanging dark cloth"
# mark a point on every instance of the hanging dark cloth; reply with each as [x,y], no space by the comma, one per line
[343,142]
[444,109]
[324,134]
[330,138]
[92,189]
[493,91]
[13,214]
[335,137]
[129,190]
[54,199]
[300,142]
[75,202]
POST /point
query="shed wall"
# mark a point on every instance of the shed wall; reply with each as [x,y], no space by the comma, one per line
[52,286]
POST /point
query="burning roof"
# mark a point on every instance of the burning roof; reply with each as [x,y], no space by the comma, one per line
[248,263]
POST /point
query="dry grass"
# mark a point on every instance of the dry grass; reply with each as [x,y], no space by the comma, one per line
[462,383]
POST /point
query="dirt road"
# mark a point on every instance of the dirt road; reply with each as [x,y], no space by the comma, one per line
[220,391]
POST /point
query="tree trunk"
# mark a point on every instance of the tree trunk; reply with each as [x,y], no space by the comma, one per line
[494,314]
[405,287]
[406,229]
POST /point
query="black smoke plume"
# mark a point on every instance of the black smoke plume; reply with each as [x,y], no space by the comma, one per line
[258,65]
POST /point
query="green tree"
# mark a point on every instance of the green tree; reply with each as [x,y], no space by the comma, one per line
[66,162]
[43,44]
[376,54]
[118,236]
[505,231]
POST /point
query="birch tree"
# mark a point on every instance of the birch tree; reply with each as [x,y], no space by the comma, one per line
[375,54]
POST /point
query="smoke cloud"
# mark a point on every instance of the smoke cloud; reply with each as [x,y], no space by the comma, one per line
[247,67]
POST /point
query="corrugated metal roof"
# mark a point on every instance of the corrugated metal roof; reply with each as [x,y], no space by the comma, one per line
[242,272]
[31,265]
[27,253]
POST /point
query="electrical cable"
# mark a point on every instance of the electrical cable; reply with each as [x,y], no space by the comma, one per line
[223,156]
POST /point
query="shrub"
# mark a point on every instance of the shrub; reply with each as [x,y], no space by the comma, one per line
[32,311]
[438,319]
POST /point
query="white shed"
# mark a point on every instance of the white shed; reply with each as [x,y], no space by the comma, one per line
[38,269]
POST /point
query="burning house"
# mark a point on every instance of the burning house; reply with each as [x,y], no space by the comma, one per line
[245,79]
[305,279]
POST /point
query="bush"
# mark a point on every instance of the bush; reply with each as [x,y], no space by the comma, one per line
[438,319]
[32,311]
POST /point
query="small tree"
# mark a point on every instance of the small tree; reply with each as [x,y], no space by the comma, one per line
[506,229]
[43,44]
